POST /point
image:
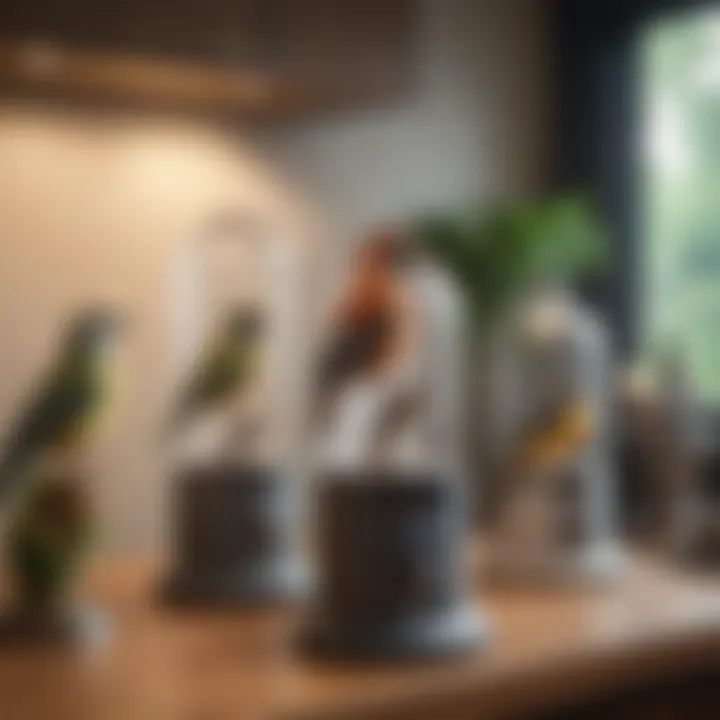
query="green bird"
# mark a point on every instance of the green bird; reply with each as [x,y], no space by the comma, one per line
[225,368]
[61,410]
[48,540]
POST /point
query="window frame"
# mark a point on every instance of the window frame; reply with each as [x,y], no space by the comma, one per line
[596,127]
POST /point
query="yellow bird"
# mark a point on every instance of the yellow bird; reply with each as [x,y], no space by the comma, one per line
[557,439]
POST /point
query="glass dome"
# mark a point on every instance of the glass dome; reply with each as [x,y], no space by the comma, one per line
[239,268]
[389,490]
[234,427]
[557,514]
[389,387]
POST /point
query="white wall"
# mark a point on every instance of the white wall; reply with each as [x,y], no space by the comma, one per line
[471,129]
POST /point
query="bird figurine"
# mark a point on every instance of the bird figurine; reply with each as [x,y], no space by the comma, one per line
[367,329]
[226,368]
[556,438]
[47,541]
[68,401]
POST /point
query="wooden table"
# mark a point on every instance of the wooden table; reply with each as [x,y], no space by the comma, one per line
[548,648]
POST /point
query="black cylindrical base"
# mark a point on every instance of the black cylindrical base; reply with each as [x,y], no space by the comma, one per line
[233,538]
[390,583]
[66,627]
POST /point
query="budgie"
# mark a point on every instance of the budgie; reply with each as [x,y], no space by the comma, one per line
[68,400]
[48,540]
[226,368]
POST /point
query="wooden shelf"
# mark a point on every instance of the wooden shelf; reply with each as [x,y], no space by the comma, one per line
[44,70]
[242,55]
[549,648]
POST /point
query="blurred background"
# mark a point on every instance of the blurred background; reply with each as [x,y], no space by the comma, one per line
[125,128]
[122,128]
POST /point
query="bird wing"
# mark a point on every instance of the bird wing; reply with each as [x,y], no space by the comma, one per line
[559,439]
[218,376]
[354,348]
[55,411]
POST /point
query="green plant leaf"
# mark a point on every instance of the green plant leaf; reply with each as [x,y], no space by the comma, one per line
[497,253]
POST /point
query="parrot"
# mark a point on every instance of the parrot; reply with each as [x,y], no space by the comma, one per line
[556,438]
[226,368]
[68,400]
[48,540]
[367,324]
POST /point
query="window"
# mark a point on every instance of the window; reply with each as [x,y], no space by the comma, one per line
[679,294]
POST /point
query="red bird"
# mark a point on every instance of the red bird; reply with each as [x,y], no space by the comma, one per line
[368,328]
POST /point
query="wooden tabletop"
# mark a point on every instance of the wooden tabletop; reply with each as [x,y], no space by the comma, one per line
[547,646]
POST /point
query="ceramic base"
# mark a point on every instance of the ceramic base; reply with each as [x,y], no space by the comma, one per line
[390,582]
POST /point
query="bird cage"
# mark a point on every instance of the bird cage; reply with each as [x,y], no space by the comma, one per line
[235,421]
[557,510]
[389,490]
